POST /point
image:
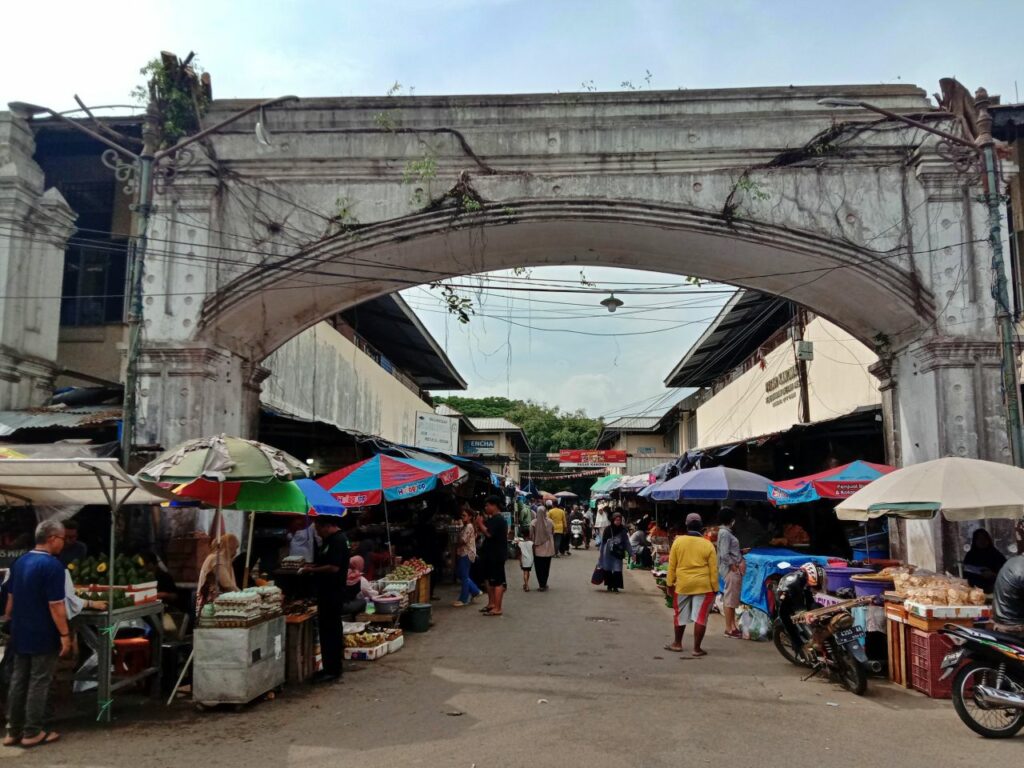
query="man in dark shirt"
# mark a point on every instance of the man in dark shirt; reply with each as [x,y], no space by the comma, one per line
[39,633]
[494,553]
[73,548]
[1008,600]
[329,570]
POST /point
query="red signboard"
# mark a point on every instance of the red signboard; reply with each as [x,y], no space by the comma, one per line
[585,458]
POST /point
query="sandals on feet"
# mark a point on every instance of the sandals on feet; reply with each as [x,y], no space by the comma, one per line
[12,741]
[44,737]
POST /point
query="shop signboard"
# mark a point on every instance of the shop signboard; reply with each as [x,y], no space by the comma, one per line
[438,433]
[585,458]
[470,447]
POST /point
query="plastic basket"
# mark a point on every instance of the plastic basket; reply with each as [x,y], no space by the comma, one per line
[927,649]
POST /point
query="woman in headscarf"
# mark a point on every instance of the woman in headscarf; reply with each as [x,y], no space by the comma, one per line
[982,561]
[542,534]
[601,521]
[614,548]
[357,588]
[217,574]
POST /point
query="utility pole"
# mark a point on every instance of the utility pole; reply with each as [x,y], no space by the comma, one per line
[984,149]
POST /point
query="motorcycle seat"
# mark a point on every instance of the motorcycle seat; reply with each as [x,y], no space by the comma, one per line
[1005,637]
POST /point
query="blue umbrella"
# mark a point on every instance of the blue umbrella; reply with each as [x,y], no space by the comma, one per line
[714,484]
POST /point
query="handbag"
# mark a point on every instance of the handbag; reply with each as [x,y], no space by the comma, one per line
[617,550]
[598,577]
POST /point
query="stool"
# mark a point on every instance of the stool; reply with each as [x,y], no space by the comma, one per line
[131,656]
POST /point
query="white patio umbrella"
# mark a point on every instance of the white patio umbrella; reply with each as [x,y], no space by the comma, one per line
[963,489]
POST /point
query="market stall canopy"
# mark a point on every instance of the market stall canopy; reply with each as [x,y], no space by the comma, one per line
[635,482]
[714,484]
[222,458]
[296,497]
[963,489]
[650,489]
[836,483]
[566,495]
[605,484]
[387,478]
[70,482]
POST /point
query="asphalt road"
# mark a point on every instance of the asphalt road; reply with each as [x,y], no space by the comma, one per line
[572,677]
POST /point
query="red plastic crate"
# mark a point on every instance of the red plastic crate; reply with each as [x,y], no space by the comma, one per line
[927,649]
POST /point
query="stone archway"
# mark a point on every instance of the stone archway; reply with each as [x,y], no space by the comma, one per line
[862,221]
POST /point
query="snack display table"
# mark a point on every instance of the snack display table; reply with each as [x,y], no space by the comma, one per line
[236,664]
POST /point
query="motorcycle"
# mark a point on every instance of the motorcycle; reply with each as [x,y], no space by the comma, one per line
[576,537]
[988,689]
[826,640]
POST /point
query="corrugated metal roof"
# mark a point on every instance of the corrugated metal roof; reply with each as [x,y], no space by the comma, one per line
[446,410]
[42,418]
[494,424]
[634,422]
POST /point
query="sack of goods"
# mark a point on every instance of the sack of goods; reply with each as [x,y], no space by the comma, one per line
[238,605]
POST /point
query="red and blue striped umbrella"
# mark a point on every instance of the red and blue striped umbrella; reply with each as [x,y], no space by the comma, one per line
[836,483]
[387,478]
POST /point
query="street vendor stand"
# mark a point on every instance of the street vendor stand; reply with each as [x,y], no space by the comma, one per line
[81,482]
[236,664]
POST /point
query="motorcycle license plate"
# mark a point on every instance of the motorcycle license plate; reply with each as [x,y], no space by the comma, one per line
[849,635]
[951,659]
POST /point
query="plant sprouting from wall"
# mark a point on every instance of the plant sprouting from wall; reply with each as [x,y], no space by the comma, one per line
[180,93]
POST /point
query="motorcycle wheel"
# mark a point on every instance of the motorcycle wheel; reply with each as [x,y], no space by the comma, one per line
[851,673]
[784,644]
[990,722]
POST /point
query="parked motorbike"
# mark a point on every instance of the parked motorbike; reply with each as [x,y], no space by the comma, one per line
[826,640]
[576,537]
[988,690]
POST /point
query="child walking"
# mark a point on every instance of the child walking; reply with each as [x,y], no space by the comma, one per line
[525,555]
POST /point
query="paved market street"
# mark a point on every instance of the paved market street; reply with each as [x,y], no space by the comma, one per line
[571,677]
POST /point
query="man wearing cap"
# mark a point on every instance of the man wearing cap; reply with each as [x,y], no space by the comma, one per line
[329,570]
[692,583]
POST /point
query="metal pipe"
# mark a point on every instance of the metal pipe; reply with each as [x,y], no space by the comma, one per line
[983,694]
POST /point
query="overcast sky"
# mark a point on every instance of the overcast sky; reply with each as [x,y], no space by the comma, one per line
[52,50]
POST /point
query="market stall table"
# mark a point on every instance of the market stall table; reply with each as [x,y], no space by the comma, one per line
[97,629]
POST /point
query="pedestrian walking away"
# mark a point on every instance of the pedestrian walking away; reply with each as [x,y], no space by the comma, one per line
[39,635]
[731,566]
[525,547]
[692,582]
[543,536]
[615,547]
[465,556]
[561,527]
[601,522]
[494,553]
[330,572]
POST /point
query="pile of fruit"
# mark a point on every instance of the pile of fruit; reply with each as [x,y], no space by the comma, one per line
[421,568]
[364,640]
[96,570]
[403,573]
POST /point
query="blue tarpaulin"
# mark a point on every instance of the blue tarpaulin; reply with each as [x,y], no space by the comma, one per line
[762,563]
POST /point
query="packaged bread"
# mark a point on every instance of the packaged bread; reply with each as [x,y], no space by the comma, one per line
[958,595]
[976,597]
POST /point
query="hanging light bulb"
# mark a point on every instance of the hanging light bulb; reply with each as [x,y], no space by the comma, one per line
[611,303]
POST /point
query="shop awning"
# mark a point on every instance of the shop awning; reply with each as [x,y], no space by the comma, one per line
[68,418]
[837,483]
[70,482]
[605,484]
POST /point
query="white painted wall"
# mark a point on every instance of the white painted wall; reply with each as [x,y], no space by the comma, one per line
[766,400]
[320,374]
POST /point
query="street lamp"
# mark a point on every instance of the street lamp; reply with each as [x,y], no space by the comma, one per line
[611,303]
[983,149]
[139,171]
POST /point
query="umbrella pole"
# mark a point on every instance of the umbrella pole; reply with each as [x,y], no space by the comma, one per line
[387,526]
[248,549]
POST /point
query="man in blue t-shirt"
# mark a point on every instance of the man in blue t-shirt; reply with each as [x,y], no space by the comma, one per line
[39,633]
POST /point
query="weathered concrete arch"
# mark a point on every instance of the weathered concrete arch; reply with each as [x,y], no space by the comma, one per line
[866,292]
[759,187]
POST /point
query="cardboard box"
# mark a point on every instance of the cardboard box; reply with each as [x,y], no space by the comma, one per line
[367,654]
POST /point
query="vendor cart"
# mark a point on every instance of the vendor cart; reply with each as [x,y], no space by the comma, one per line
[236,664]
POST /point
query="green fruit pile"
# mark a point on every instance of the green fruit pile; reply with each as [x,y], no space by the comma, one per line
[403,573]
[120,599]
[97,570]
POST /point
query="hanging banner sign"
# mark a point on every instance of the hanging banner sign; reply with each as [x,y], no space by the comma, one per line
[585,458]
[439,433]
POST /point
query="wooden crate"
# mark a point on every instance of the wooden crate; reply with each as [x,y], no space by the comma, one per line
[933,625]
[301,648]
[898,637]
[423,589]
